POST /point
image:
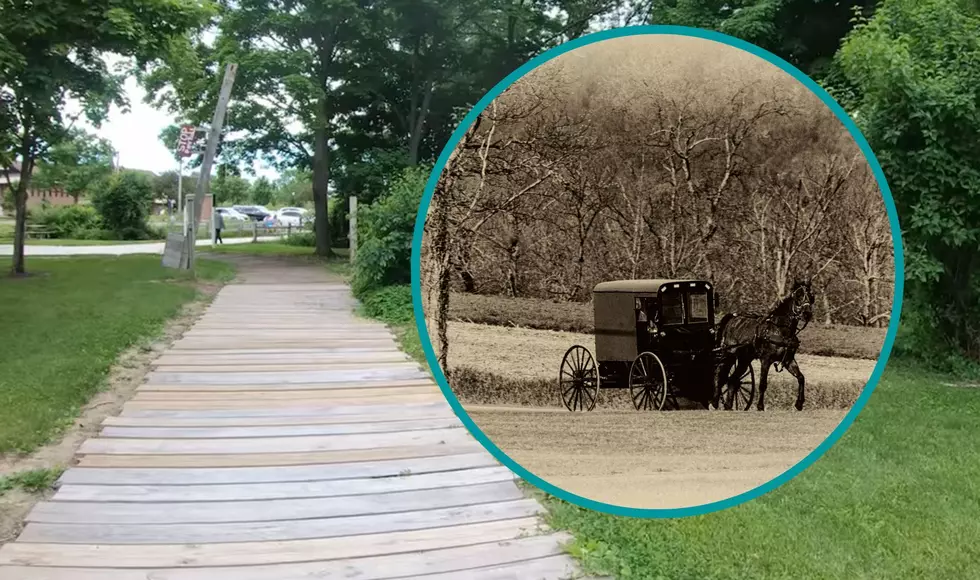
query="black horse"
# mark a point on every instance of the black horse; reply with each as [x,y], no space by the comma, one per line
[771,339]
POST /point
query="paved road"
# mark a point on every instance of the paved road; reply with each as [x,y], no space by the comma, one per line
[113,249]
[284,442]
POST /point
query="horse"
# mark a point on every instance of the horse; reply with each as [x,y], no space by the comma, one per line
[771,339]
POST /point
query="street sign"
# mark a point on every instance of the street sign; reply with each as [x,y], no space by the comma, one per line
[185,145]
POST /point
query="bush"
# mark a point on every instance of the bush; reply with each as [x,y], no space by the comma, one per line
[124,204]
[385,229]
[94,234]
[303,239]
[392,304]
[66,221]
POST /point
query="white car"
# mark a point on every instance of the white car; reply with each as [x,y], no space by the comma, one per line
[289,217]
[300,210]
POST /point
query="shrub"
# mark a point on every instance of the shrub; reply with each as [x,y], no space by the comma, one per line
[391,304]
[385,229]
[124,204]
[303,239]
[66,221]
[94,234]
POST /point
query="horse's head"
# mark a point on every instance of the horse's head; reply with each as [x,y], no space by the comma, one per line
[802,299]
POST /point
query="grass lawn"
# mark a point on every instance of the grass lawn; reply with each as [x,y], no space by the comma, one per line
[897,497]
[68,242]
[63,326]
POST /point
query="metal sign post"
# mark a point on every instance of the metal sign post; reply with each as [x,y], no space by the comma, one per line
[190,224]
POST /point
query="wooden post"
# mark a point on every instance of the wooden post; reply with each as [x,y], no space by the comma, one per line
[204,182]
[190,225]
[353,227]
[255,231]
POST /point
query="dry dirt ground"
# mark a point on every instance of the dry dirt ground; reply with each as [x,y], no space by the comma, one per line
[646,459]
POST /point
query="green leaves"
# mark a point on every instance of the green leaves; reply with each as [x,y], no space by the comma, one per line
[915,70]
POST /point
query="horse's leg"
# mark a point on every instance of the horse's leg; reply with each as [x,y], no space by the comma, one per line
[794,369]
[765,362]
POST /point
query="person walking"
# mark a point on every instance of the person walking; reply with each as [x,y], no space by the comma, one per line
[219,224]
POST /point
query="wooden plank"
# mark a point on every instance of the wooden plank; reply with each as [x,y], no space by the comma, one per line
[280,490]
[274,444]
[281,378]
[296,350]
[265,367]
[258,341]
[90,513]
[383,383]
[437,411]
[194,359]
[272,531]
[287,394]
[551,568]
[274,459]
[321,411]
[260,553]
[526,553]
[321,472]
[277,431]
[430,396]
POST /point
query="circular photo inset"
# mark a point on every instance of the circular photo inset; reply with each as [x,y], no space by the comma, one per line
[658,272]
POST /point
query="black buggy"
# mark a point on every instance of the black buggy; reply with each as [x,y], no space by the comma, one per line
[659,339]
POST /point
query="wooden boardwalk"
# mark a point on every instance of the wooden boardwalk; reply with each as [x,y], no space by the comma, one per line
[284,438]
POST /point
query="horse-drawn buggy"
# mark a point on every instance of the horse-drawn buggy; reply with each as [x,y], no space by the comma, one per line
[659,339]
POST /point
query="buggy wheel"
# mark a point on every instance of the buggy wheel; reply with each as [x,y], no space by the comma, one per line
[648,383]
[578,380]
[739,395]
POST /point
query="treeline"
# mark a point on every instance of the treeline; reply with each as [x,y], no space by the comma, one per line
[601,168]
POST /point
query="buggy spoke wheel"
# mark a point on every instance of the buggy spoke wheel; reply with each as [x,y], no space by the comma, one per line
[648,383]
[739,393]
[578,380]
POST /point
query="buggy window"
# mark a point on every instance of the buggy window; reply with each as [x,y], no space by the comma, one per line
[672,306]
[697,307]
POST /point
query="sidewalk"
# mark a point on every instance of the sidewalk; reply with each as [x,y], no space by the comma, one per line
[113,249]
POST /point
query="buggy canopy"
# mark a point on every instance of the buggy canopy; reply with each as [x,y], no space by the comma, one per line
[642,286]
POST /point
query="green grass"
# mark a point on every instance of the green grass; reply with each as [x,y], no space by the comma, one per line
[843,341]
[69,242]
[31,481]
[393,306]
[897,497]
[63,327]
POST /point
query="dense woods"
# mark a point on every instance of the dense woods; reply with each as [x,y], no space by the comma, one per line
[601,166]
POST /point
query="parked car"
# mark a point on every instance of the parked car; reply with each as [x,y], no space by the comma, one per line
[231,214]
[301,210]
[289,217]
[255,212]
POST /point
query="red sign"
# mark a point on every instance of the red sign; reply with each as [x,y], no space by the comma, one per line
[185,145]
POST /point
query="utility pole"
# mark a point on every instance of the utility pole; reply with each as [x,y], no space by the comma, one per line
[204,181]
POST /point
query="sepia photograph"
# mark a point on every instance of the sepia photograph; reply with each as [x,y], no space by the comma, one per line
[657,271]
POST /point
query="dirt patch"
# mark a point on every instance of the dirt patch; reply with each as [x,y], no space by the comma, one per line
[121,384]
[655,460]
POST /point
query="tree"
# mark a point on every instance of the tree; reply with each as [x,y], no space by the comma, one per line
[75,164]
[916,94]
[51,51]
[124,203]
[230,189]
[262,192]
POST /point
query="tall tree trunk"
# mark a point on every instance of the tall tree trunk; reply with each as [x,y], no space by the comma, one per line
[321,180]
[20,205]
[20,224]
[418,125]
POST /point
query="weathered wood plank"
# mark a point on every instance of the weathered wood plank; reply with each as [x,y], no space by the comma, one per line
[271,531]
[286,395]
[327,471]
[375,384]
[428,396]
[281,490]
[277,431]
[441,411]
[275,459]
[322,411]
[284,378]
[459,561]
[91,513]
[260,553]
[274,444]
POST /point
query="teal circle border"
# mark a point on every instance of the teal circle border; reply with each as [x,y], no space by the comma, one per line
[702,509]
